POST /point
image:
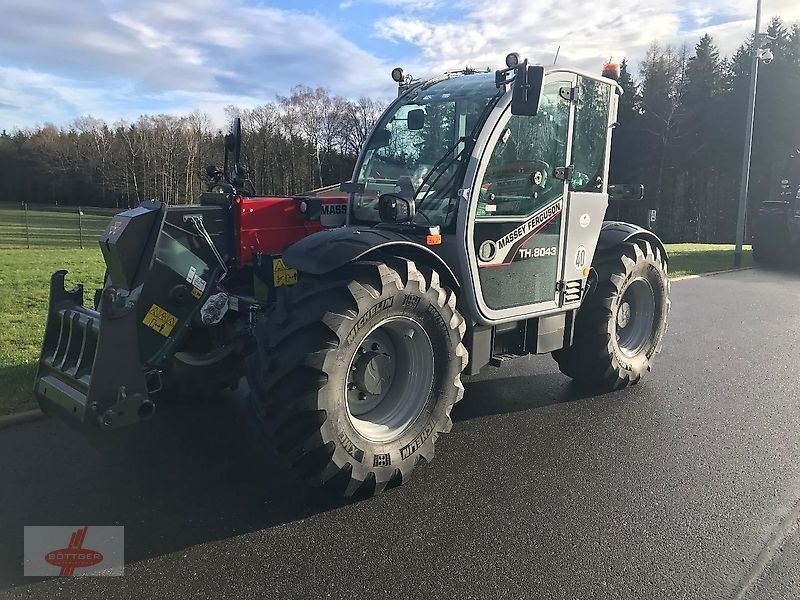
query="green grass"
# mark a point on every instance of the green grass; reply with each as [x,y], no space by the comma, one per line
[24,284]
[694,259]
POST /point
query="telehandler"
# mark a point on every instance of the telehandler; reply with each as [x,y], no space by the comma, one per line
[472,233]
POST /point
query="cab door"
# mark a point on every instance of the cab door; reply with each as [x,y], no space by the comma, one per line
[595,113]
[516,237]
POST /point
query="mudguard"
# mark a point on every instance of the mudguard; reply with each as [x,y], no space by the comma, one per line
[329,250]
[614,233]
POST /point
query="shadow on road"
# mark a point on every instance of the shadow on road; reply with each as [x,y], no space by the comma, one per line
[189,476]
[515,394]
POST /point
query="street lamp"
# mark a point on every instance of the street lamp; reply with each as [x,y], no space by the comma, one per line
[760,53]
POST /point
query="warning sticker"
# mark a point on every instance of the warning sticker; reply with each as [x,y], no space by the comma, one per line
[197,293]
[160,320]
[281,274]
[190,276]
[199,282]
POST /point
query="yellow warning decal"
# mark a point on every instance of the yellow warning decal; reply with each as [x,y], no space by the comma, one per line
[196,293]
[160,320]
[281,274]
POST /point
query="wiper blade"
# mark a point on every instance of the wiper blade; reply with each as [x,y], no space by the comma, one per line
[435,167]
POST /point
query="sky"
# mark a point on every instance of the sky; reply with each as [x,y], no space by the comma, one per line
[118,59]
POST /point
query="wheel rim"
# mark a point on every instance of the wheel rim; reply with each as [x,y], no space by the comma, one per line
[635,318]
[389,379]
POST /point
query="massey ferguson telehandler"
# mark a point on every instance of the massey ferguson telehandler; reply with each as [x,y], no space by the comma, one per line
[472,234]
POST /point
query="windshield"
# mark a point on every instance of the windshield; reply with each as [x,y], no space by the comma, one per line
[419,148]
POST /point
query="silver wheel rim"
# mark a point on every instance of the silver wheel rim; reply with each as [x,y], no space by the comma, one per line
[389,379]
[635,319]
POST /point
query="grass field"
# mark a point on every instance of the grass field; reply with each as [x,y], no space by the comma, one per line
[692,259]
[24,281]
[25,275]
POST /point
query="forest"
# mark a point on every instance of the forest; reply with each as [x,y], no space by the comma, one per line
[680,132]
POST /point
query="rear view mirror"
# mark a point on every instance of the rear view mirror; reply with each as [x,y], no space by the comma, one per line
[526,91]
[395,209]
[416,119]
[379,139]
[626,192]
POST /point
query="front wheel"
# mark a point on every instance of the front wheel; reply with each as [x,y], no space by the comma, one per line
[622,321]
[358,372]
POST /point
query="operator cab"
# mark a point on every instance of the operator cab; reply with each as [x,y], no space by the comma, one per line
[501,172]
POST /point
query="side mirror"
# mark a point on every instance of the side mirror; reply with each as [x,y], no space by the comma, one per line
[395,209]
[526,91]
[626,192]
[416,119]
[379,139]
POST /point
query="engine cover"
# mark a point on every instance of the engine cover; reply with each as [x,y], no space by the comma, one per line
[270,225]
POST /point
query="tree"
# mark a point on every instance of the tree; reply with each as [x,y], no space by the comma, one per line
[663,72]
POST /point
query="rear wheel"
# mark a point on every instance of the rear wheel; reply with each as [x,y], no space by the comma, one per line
[357,373]
[622,321]
[195,377]
[202,369]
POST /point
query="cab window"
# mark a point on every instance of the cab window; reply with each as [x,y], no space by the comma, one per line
[591,133]
[519,176]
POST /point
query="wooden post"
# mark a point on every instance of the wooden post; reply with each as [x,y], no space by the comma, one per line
[80,226]
[27,229]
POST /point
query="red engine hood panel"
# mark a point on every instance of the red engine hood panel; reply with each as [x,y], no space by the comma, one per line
[271,224]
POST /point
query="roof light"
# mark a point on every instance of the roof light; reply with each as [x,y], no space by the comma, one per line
[398,75]
[512,60]
[611,70]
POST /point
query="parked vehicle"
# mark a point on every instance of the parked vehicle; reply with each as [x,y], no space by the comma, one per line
[472,232]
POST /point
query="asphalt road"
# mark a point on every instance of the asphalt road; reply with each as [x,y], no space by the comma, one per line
[687,486]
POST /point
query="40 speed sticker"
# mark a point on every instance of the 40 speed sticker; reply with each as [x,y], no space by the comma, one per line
[580,258]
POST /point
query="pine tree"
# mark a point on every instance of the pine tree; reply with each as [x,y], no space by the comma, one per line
[701,159]
[625,150]
[662,75]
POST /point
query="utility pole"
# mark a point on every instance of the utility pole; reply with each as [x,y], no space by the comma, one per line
[748,144]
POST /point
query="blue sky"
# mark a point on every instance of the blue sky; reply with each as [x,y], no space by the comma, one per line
[60,59]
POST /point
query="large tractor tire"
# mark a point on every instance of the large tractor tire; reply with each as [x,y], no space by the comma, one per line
[622,321]
[357,372]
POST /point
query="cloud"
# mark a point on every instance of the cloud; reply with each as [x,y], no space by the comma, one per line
[154,53]
[588,32]
[412,5]
[119,58]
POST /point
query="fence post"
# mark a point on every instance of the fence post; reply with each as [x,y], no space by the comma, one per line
[80,226]
[27,232]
